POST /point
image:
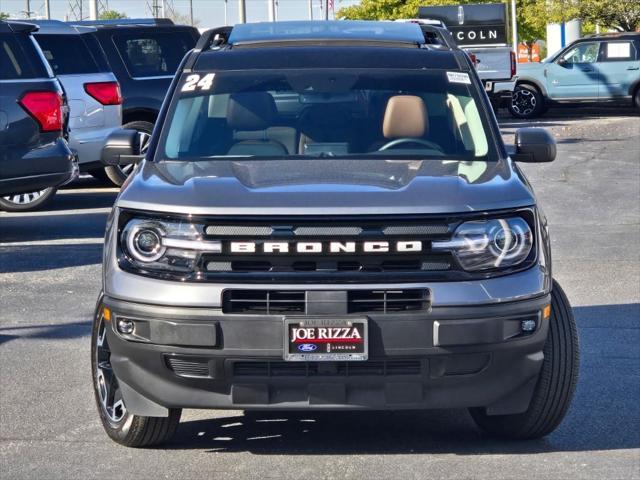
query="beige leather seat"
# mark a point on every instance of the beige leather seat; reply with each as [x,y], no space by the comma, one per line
[406,118]
[251,116]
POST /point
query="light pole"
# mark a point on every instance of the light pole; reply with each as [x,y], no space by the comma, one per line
[310,9]
[514,26]
[271,6]
[47,10]
[242,11]
[93,10]
[325,4]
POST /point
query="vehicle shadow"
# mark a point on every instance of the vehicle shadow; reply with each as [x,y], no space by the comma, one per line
[603,409]
[57,331]
[36,258]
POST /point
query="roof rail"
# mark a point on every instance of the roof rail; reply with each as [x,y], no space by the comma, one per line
[19,26]
[125,22]
[213,38]
[438,36]
[612,34]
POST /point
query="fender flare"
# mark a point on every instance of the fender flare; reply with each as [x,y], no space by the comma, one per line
[533,81]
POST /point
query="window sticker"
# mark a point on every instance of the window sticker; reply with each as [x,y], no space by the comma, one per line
[618,50]
[194,82]
[459,77]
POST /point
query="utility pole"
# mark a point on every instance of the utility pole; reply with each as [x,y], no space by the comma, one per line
[310,9]
[226,13]
[163,9]
[93,9]
[191,11]
[326,9]
[47,10]
[27,8]
[514,27]
[271,6]
[242,11]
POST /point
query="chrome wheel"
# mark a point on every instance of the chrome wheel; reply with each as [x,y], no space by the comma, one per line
[24,198]
[109,392]
[523,102]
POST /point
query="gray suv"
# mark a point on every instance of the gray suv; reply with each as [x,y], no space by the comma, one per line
[326,218]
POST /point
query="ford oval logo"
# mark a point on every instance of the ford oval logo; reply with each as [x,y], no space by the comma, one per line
[307,347]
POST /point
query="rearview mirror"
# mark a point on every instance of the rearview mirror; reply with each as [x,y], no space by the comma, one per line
[534,145]
[122,148]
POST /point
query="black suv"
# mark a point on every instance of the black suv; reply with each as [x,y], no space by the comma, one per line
[326,218]
[144,54]
[34,156]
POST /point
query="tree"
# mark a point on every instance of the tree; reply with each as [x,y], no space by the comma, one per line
[112,15]
[622,15]
[4,16]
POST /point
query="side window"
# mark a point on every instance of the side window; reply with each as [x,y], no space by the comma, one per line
[67,54]
[618,52]
[153,54]
[583,53]
[12,60]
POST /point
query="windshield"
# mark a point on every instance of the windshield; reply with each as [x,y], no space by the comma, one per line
[326,114]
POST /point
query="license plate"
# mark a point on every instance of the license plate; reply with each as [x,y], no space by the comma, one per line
[326,339]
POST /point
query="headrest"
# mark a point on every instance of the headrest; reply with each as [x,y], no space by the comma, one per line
[251,111]
[405,116]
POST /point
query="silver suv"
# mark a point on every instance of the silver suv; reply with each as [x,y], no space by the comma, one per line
[92,92]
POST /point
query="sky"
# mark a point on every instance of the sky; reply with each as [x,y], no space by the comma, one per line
[206,13]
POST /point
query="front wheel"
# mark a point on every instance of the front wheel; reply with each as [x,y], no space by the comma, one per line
[636,99]
[556,382]
[119,173]
[122,426]
[526,102]
[22,202]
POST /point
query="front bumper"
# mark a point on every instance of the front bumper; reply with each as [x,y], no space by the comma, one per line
[448,357]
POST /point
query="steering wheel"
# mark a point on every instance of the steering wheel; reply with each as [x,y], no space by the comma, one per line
[419,141]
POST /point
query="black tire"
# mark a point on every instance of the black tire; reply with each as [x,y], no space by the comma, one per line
[24,202]
[123,427]
[117,173]
[526,102]
[636,99]
[556,383]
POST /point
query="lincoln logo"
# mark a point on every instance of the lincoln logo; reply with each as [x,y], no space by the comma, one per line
[327,247]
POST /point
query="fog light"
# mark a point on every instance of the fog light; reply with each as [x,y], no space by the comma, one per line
[528,325]
[125,326]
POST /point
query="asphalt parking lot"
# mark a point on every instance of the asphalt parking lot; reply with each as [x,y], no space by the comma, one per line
[50,278]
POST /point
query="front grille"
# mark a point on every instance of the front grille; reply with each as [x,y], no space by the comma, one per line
[283,302]
[324,369]
[258,264]
[264,302]
[188,367]
[387,301]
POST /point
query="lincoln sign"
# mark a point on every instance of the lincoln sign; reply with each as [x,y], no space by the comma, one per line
[472,24]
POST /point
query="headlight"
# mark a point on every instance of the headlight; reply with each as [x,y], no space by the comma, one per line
[165,245]
[489,244]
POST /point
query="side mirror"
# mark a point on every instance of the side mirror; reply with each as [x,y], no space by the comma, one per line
[122,148]
[534,145]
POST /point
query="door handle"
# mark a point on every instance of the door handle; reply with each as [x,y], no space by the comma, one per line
[633,68]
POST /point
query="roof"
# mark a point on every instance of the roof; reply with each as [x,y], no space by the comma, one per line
[613,35]
[127,22]
[275,32]
[59,28]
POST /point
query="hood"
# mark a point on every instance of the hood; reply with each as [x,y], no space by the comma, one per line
[324,187]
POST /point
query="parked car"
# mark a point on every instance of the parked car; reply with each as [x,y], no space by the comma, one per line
[93,93]
[482,30]
[144,54]
[34,156]
[594,69]
[326,218]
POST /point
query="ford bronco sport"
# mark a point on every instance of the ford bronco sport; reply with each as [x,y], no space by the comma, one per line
[326,218]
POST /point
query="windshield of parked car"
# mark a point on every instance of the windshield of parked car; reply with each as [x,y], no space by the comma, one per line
[326,113]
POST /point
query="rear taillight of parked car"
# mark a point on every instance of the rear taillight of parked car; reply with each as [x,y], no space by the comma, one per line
[45,108]
[513,64]
[107,93]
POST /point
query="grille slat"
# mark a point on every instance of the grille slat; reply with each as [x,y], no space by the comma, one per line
[192,368]
[273,302]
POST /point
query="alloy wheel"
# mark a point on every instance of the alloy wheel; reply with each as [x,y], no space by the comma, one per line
[523,102]
[109,392]
[24,198]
